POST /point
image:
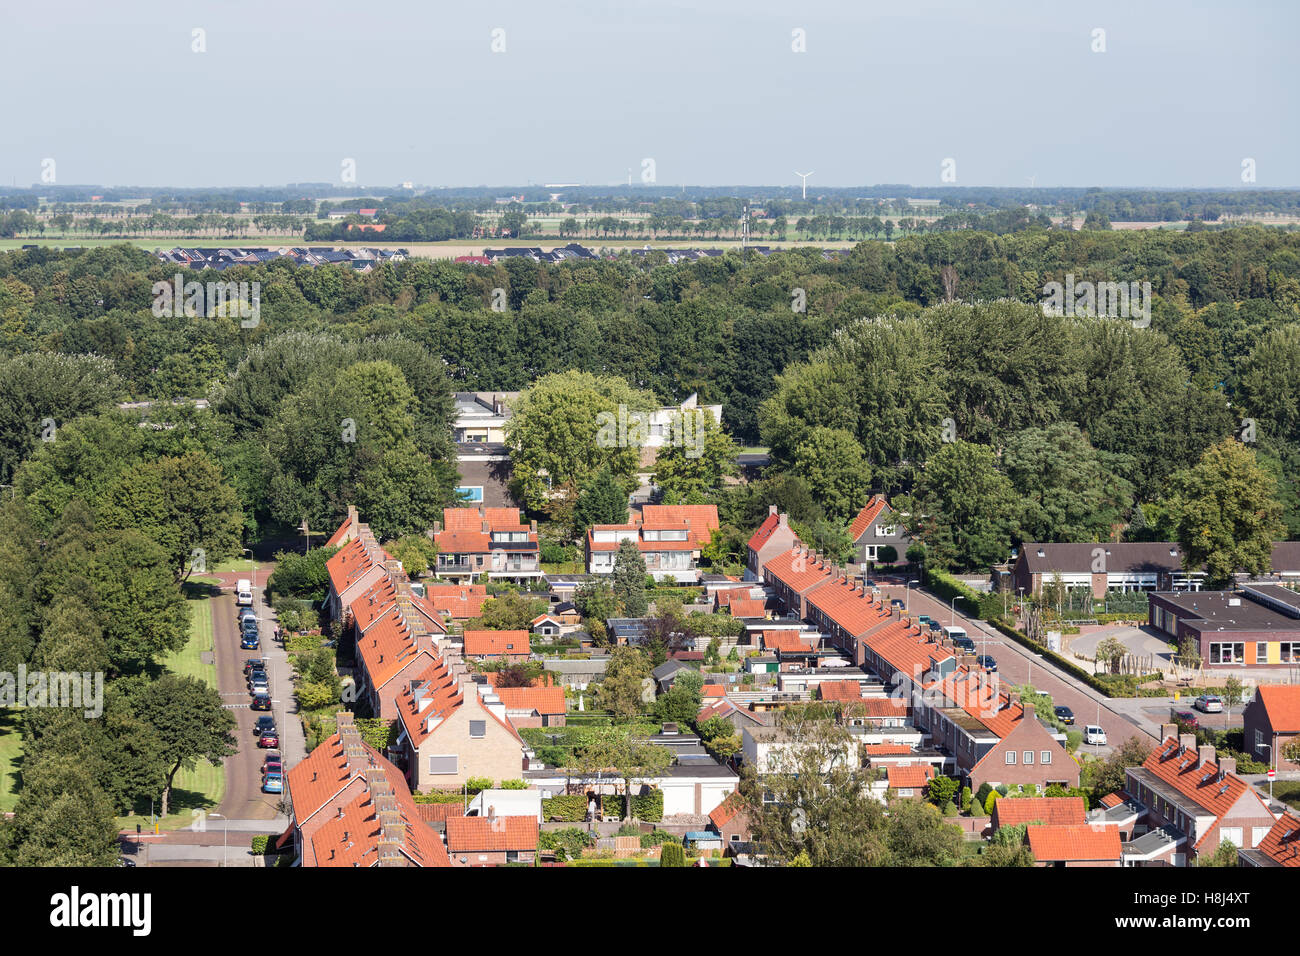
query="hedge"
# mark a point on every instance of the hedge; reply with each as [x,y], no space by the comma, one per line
[569,808]
[260,844]
[572,808]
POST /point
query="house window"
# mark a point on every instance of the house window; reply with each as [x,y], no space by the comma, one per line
[1029,757]
[886,531]
[1011,757]
[1257,834]
[870,550]
[443,763]
[1045,757]
[1261,652]
[478,728]
[1227,652]
[1231,834]
[1290,652]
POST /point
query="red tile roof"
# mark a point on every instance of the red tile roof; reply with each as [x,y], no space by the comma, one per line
[1199,782]
[1282,844]
[1111,800]
[786,640]
[348,565]
[840,690]
[886,750]
[346,530]
[797,569]
[759,537]
[724,596]
[913,776]
[543,700]
[712,690]
[388,647]
[459,601]
[748,607]
[701,520]
[882,707]
[490,643]
[1282,704]
[1079,843]
[862,521]
[443,696]
[353,839]
[1053,811]
[439,812]
[849,606]
[381,596]
[484,835]
[726,811]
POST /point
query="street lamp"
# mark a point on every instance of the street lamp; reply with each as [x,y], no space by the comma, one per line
[952,608]
[907,604]
[225,829]
[1270,760]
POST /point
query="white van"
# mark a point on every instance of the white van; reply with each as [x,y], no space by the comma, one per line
[244,592]
[958,637]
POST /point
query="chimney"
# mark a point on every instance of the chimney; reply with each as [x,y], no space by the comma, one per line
[1227,765]
[771,509]
[1167,731]
[352,516]
[492,811]
[782,520]
[1187,741]
[1029,711]
[1205,755]
[896,613]
[533,526]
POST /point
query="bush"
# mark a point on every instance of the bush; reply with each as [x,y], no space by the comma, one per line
[568,808]
[672,854]
[568,843]
[513,785]
[982,795]
[992,799]
[977,809]
[657,838]
[649,806]
[1072,740]
[965,799]
[260,845]
[949,809]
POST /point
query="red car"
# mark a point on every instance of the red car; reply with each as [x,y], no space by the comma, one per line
[268,741]
[272,764]
[1187,719]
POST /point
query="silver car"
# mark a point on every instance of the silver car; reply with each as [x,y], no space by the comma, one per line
[1209,704]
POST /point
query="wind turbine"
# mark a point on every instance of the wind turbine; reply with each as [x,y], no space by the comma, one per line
[804,177]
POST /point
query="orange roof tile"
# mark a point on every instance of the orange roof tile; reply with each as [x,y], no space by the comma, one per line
[862,521]
[701,520]
[353,839]
[1198,781]
[1080,843]
[388,647]
[348,565]
[909,776]
[484,835]
[797,569]
[491,643]
[840,690]
[439,812]
[1282,704]
[371,605]
[1282,843]
[849,606]
[748,607]
[726,811]
[759,537]
[1053,811]
[459,601]
[886,750]
[713,690]
[543,700]
[786,640]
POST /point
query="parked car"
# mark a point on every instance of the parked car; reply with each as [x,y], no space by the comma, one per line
[1092,734]
[988,662]
[261,702]
[264,724]
[273,783]
[1187,718]
[935,627]
[269,740]
[272,764]
[1064,714]
[1209,704]
[254,663]
[965,644]
[245,613]
[260,689]
[897,602]
[256,677]
[923,619]
[249,643]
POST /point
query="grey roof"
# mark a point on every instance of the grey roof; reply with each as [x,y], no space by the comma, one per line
[1213,610]
[668,668]
[1154,841]
[1120,556]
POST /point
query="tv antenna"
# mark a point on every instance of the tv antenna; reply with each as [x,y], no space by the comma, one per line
[804,177]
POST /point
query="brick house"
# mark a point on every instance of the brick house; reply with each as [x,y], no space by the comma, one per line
[491,840]
[352,807]
[774,536]
[1195,801]
[1255,626]
[490,541]
[1027,753]
[730,821]
[669,537]
[538,706]
[1280,846]
[1271,722]
[1102,566]
[452,728]
[793,575]
[459,602]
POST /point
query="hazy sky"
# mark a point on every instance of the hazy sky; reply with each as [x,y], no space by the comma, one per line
[711,90]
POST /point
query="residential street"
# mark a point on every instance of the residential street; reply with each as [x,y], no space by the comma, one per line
[1017,665]
[244,799]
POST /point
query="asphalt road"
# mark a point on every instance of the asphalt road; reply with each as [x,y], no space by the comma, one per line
[244,799]
[1017,665]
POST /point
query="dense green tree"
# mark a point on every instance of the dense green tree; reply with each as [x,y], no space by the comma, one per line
[696,459]
[63,817]
[1226,514]
[628,579]
[141,610]
[620,690]
[603,500]
[834,465]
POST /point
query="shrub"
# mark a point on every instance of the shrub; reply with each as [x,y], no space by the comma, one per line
[657,838]
[982,794]
[992,799]
[260,844]
[569,808]
[977,809]
[649,806]
[478,784]
[965,799]
[949,809]
[672,854]
[514,785]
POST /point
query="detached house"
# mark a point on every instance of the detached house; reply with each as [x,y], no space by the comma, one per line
[669,537]
[486,541]
[1271,723]
[876,527]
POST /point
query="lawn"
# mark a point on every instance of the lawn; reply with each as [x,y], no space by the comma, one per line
[11,756]
[1288,791]
[203,787]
